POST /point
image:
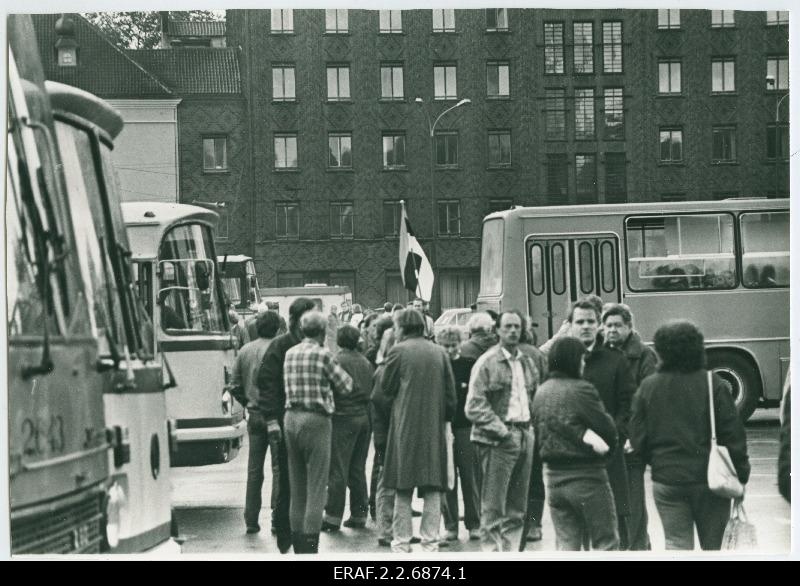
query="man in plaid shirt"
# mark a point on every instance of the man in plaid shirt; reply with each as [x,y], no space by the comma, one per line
[309,372]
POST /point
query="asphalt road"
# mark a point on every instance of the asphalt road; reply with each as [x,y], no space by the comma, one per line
[209,501]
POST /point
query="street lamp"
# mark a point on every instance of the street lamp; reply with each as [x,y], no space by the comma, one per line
[209,204]
[431,131]
[772,81]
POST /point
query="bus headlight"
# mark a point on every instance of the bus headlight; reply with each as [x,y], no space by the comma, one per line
[227,403]
[114,511]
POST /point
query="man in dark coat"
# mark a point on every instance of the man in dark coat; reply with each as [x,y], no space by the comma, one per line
[419,381]
[271,406]
[618,333]
[482,336]
[607,369]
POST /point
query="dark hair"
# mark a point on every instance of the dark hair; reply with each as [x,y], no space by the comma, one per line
[267,324]
[368,319]
[679,345]
[387,307]
[619,310]
[524,337]
[381,325]
[347,337]
[492,313]
[509,312]
[397,306]
[586,303]
[565,356]
[296,310]
[411,322]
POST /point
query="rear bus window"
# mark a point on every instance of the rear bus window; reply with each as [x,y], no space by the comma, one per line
[673,253]
[492,258]
[765,249]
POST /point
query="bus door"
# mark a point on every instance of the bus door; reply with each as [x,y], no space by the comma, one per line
[561,269]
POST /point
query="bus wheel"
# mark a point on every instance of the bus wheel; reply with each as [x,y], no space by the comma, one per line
[741,376]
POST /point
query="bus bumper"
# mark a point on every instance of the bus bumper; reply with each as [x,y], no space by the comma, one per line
[200,446]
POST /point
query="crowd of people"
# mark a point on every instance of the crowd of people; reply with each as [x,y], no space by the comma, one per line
[492,421]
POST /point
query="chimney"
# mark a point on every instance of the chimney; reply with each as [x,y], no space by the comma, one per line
[163,19]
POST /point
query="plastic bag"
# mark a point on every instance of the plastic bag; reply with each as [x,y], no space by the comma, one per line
[740,534]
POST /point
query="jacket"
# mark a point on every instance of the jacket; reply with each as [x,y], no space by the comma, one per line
[272,394]
[475,346]
[360,370]
[490,392]
[245,371]
[671,427]
[641,359]
[607,369]
[563,409]
[461,373]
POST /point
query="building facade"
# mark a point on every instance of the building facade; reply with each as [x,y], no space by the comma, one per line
[566,106]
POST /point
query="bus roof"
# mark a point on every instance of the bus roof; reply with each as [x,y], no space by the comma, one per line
[148,221]
[85,105]
[737,204]
[233,258]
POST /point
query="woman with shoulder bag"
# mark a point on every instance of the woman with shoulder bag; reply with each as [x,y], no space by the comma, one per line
[671,426]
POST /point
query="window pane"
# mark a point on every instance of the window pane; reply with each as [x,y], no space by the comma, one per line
[675,78]
[729,76]
[397,76]
[608,267]
[288,81]
[558,273]
[208,153]
[586,267]
[438,82]
[765,249]
[451,82]
[584,114]
[333,82]
[537,270]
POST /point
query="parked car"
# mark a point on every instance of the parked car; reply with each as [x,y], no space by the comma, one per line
[454,317]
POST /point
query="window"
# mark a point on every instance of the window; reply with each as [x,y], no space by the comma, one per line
[497,84]
[342,220]
[583,51]
[391,21]
[777,17]
[282,21]
[722,19]
[496,19]
[392,81]
[340,154]
[444,21]
[287,221]
[556,174]
[498,205]
[283,83]
[614,113]
[777,73]
[554,47]
[586,178]
[391,218]
[555,115]
[394,151]
[669,19]
[499,148]
[215,154]
[669,77]
[449,217]
[584,114]
[338,83]
[612,47]
[723,144]
[616,178]
[444,82]
[446,149]
[336,21]
[722,75]
[765,249]
[286,151]
[680,252]
[779,141]
[671,140]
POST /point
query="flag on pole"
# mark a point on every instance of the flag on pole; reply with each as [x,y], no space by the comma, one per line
[415,269]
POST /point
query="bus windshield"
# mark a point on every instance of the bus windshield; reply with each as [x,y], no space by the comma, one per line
[492,257]
[187,295]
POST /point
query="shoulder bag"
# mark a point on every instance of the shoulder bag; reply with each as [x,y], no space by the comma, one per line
[722,478]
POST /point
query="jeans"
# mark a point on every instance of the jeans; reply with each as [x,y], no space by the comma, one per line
[682,508]
[350,446]
[582,508]
[308,447]
[256,456]
[429,525]
[467,466]
[536,495]
[639,540]
[384,505]
[506,472]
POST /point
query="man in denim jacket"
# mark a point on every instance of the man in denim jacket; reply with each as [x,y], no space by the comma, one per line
[500,395]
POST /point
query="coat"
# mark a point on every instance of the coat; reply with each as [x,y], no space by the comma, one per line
[419,382]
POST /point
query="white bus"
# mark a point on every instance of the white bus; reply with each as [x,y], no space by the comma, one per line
[722,264]
[177,276]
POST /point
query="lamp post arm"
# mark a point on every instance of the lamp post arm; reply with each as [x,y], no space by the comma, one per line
[439,117]
[778,107]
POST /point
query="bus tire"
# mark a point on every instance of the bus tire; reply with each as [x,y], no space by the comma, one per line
[743,378]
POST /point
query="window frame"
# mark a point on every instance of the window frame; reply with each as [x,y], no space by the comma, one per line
[282,30]
[584,115]
[723,62]
[340,217]
[609,162]
[780,17]
[445,66]
[720,128]
[339,68]
[448,202]
[778,86]
[670,63]
[612,45]
[590,195]
[784,139]
[555,114]
[447,136]
[666,20]
[498,27]
[671,130]
[498,65]
[338,30]
[283,68]
[607,129]
[743,242]
[443,13]
[216,169]
[394,204]
[394,28]
[557,163]
[395,136]
[499,133]
[285,136]
[552,48]
[722,21]
[576,65]
[392,66]
[286,206]
[339,135]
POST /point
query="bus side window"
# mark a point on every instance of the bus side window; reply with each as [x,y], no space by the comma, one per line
[765,249]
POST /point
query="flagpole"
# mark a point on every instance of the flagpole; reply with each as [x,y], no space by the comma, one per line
[413,258]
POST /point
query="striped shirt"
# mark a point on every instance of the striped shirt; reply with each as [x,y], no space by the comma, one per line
[310,372]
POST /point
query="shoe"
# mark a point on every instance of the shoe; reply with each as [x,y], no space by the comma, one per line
[415,540]
[298,543]
[383,542]
[415,513]
[451,535]
[311,542]
[285,541]
[534,534]
[252,529]
[354,523]
[329,527]
[474,534]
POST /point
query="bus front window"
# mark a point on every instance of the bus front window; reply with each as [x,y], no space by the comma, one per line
[765,249]
[188,298]
[492,258]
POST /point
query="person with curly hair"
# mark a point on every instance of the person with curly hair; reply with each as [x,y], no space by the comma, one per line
[671,428]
